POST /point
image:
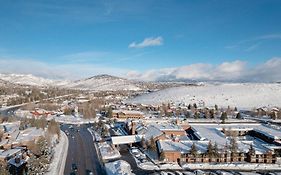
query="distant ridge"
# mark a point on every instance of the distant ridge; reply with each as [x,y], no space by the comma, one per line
[102,82]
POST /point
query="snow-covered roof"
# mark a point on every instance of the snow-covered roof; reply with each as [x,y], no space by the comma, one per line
[183,146]
[169,126]
[150,131]
[212,132]
[128,112]
[29,134]
[9,152]
[268,131]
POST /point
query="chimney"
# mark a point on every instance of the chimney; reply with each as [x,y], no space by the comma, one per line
[133,132]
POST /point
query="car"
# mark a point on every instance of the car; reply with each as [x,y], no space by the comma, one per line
[88,172]
[178,173]
[199,172]
[170,173]
[219,172]
[163,173]
[74,167]
[187,173]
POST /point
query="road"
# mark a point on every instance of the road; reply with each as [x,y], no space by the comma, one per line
[81,151]
[9,111]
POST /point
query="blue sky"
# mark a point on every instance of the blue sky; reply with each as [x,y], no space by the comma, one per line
[118,37]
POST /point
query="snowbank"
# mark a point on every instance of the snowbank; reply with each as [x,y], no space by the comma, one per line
[119,167]
[58,163]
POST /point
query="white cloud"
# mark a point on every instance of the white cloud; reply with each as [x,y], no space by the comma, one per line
[147,42]
[253,43]
[236,71]
[71,71]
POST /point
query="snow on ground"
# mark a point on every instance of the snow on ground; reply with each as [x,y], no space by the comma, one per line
[58,163]
[107,151]
[233,166]
[119,167]
[70,119]
[241,95]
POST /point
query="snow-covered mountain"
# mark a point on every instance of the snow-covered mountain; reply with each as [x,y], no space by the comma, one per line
[29,80]
[95,83]
[104,83]
[243,95]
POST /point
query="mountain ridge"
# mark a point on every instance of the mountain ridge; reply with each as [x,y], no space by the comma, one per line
[102,82]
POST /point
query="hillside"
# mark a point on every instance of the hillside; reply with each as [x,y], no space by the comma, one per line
[241,95]
[104,83]
[95,83]
[27,79]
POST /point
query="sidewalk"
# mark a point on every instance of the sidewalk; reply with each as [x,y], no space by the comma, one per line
[58,163]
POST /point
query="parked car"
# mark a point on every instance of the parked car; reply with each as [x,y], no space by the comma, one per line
[199,172]
[178,173]
[74,167]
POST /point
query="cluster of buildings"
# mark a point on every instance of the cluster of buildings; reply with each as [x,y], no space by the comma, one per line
[14,145]
[254,143]
[183,142]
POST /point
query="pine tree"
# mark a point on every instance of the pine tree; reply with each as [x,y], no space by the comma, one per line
[193,150]
[196,115]
[109,113]
[223,117]
[210,149]
[273,115]
[212,113]
[238,116]
[216,107]
[251,150]
[216,150]
[195,105]
[233,146]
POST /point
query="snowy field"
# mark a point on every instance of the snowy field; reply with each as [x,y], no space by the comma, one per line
[243,96]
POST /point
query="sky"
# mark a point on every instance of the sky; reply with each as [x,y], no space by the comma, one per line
[234,40]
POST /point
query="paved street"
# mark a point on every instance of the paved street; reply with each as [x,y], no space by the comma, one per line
[81,151]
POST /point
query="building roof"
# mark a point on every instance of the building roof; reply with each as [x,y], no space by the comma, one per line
[182,146]
[169,127]
[149,131]
[29,134]
[9,152]
[128,112]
